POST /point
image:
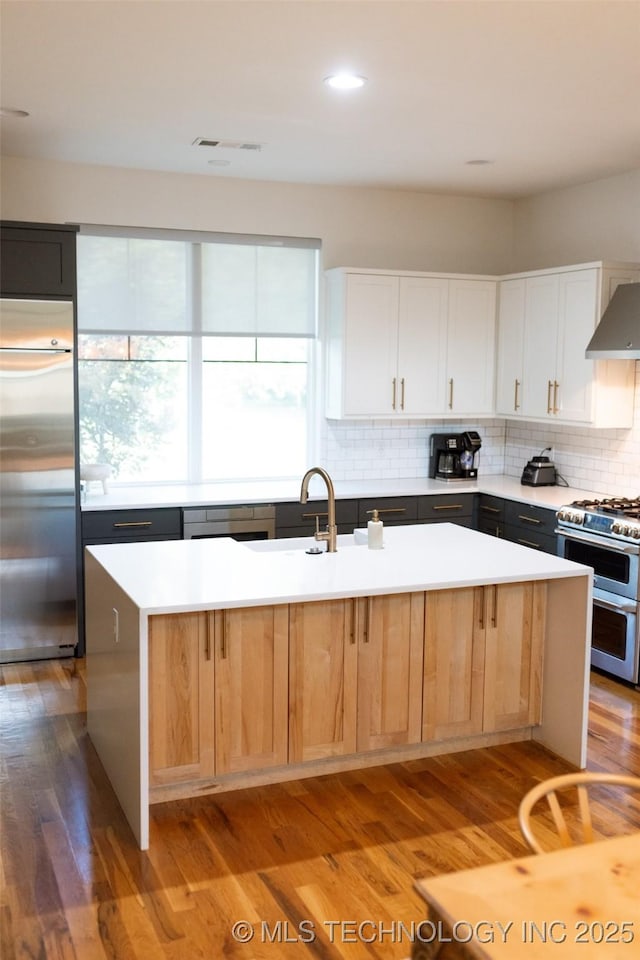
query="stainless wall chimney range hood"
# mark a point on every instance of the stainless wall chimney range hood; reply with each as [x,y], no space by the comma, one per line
[617,336]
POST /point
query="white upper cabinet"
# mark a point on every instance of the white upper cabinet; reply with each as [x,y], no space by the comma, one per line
[408,345]
[471,339]
[546,319]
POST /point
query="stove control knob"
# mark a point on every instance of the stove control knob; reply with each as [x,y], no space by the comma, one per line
[562,515]
[635,533]
[616,527]
[622,529]
[576,517]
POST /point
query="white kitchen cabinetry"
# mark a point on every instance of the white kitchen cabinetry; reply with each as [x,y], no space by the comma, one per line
[408,345]
[546,319]
[471,333]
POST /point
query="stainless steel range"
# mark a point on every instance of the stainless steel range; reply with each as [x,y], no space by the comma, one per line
[605,534]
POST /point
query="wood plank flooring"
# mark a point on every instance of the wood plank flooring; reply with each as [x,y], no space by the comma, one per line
[323,868]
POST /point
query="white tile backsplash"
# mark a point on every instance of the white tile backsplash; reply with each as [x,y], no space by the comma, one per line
[399,449]
[604,461]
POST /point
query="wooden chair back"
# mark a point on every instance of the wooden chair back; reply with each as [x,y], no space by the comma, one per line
[550,789]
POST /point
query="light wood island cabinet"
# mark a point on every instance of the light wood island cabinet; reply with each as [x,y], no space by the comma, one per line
[483,659]
[181,719]
[218,693]
[243,690]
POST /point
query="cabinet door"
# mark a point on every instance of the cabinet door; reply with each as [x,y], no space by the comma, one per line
[390,640]
[576,323]
[471,347]
[510,347]
[453,663]
[422,345]
[514,618]
[251,687]
[540,339]
[38,260]
[322,679]
[370,345]
[181,719]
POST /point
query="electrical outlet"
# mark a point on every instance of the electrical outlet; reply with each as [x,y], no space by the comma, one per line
[116,626]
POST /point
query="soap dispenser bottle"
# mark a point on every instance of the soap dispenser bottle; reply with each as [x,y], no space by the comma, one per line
[374,531]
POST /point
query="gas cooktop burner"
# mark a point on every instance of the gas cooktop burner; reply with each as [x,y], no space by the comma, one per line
[616,517]
[622,506]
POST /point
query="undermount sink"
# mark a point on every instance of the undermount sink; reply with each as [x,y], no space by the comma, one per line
[305,544]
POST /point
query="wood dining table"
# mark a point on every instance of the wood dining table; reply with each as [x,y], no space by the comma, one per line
[581,901]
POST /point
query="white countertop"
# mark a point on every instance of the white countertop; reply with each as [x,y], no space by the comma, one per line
[177,575]
[274,491]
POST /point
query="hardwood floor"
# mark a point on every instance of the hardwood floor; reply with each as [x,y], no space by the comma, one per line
[333,858]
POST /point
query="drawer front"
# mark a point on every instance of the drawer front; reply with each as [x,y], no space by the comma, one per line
[303,515]
[446,508]
[392,510]
[490,508]
[130,525]
[531,538]
[530,517]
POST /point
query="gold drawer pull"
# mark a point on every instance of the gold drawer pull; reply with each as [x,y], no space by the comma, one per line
[449,506]
[529,519]
[490,509]
[133,523]
[391,510]
[313,516]
[529,543]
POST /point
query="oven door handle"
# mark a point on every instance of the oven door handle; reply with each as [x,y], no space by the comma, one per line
[605,544]
[616,607]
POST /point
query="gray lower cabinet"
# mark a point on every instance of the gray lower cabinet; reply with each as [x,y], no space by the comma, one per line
[299,519]
[130,526]
[530,525]
[490,515]
[393,511]
[447,508]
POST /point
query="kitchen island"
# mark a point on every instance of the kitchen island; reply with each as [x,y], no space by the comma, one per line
[214,664]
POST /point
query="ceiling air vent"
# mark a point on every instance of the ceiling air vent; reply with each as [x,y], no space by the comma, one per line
[226,144]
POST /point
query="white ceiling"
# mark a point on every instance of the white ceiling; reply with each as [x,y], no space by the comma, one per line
[547,90]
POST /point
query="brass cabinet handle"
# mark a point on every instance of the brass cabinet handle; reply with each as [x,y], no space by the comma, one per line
[526,519]
[489,509]
[367,619]
[451,393]
[402,394]
[352,630]
[549,389]
[494,611]
[223,636]
[314,516]
[390,510]
[516,405]
[449,506]
[393,400]
[556,387]
[133,523]
[529,543]
[207,639]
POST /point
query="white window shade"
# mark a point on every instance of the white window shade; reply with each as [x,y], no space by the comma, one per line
[212,284]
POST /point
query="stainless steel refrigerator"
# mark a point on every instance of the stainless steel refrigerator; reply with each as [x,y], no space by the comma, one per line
[38,499]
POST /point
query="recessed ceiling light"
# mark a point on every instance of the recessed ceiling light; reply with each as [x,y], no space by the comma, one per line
[6,112]
[478,163]
[345,81]
[219,163]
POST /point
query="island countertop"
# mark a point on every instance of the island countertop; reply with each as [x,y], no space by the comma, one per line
[176,576]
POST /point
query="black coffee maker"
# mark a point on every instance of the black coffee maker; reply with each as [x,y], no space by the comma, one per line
[454,456]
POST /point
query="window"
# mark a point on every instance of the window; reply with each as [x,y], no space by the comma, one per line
[195,355]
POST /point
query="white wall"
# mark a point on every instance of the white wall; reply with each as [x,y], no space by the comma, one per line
[358,227]
[593,221]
